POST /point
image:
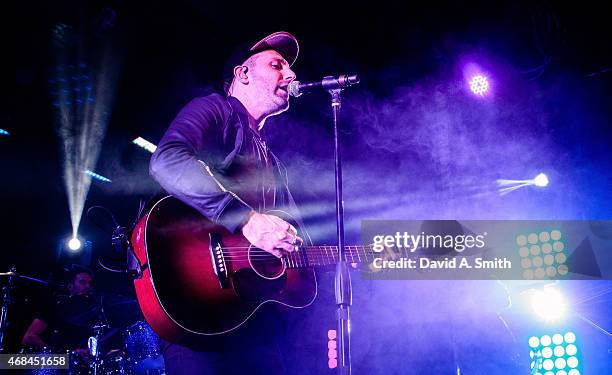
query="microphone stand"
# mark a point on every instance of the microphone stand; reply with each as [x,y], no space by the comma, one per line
[342,279]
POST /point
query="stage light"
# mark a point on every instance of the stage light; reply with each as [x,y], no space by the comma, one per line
[542,254]
[565,361]
[508,186]
[549,305]
[332,349]
[4,132]
[74,244]
[541,180]
[479,84]
[145,144]
[62,35]
[97,176]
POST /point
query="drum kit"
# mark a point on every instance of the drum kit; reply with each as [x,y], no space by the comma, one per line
[121,342]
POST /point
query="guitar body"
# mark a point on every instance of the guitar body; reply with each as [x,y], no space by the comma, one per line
[200,281]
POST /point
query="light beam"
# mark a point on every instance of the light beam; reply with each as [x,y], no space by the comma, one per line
[82,99]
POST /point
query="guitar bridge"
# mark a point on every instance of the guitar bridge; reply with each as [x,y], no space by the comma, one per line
[218,260]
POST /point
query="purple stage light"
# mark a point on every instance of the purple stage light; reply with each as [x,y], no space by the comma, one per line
[479,85]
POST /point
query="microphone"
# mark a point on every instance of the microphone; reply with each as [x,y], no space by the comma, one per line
[297,88]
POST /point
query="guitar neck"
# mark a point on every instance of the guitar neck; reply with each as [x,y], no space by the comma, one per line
[313,256]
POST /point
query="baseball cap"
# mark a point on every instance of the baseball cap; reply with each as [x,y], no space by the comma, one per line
[282,42]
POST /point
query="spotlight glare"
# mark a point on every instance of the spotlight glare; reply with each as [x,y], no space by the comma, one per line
[4,132]
[540,180]
[145,144]
[479,85]
[74,244]
[548,304]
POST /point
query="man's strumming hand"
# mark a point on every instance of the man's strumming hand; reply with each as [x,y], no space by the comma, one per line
[271,233]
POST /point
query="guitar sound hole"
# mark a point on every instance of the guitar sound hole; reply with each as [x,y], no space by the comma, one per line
[265,264]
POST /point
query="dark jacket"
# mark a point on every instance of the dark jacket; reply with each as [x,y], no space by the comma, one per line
[206,159]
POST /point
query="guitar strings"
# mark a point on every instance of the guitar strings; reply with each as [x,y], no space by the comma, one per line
[309,253]
[239,250]
[307,257]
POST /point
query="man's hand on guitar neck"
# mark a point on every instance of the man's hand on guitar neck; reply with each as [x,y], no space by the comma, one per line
[271,233]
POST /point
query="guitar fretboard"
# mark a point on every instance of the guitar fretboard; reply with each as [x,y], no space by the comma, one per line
[311,256]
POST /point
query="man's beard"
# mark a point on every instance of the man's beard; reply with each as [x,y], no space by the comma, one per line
[278,107]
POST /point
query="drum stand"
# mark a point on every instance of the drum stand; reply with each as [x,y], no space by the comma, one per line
[93,345]
[7,300]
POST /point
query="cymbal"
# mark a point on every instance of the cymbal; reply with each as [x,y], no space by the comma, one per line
[22,277]
[121,311]
[89,310]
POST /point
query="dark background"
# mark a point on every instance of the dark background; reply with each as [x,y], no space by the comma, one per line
[416,143]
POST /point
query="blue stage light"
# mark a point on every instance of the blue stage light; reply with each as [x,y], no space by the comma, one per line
[97,176]
[565,360]
[145,144]
[4,132]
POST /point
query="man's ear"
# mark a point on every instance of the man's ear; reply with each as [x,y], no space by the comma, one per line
[240,73]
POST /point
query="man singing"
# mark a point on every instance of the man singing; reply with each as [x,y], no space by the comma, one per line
[214,158]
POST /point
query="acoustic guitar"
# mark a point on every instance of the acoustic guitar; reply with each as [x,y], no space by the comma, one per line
[199,280]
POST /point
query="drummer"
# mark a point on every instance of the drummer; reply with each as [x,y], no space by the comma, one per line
[67,323]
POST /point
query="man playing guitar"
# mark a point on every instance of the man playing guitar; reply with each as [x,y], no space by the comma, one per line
[214,159]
